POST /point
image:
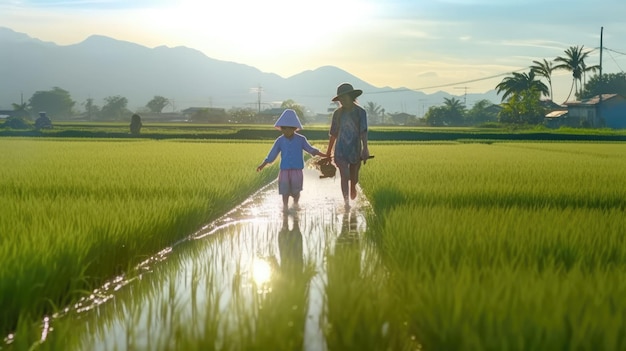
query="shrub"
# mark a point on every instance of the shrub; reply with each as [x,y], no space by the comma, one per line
[17,123]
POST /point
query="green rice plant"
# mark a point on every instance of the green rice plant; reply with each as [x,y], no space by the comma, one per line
[77,212]
[359,311]
[503,246]
[500,175]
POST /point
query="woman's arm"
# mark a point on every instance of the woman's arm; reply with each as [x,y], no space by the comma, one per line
[331,143]
[365,152]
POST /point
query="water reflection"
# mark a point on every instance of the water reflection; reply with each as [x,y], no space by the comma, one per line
[349,229]
[256,264]
[282,312]
[290,247]
[261,271]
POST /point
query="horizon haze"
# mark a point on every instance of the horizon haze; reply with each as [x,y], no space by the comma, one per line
[455,46]
[102,67]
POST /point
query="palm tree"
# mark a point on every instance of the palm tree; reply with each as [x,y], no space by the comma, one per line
[544,69]
[453,104]
[574,61]
[455,110]
[374,111]
[521,82]
[586,69]
[20,109]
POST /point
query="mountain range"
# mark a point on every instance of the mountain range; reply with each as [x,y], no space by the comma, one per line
[99,67]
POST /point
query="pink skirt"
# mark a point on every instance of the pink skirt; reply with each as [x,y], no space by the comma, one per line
[290,181]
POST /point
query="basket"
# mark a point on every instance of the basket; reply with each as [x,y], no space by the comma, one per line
[326,167]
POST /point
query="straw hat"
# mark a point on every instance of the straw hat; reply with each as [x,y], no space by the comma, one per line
[288,118]
[346,88]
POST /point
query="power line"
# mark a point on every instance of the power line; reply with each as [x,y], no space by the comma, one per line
[615,61]
[615,51]
[450,84]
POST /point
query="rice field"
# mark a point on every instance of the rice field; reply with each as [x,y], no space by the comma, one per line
[504,246]
[516,246]
[77,212]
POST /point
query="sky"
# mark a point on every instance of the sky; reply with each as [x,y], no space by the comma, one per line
[457,46]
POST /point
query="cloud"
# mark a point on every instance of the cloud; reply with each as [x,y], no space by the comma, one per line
[91,4]
[429,74]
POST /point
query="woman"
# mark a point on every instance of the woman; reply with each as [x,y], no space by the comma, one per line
[348,134]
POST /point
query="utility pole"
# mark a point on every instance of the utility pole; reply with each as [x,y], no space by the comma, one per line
[258,90]
[422,101]
[464,95]
[601,78]
[89,107]
[601,31]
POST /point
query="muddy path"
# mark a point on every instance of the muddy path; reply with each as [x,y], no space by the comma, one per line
[246,248]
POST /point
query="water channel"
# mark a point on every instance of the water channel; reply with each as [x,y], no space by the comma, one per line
[245,250]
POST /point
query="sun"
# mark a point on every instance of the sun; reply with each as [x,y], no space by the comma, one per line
[261,27]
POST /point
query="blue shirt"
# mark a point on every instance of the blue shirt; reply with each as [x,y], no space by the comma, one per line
[290,150]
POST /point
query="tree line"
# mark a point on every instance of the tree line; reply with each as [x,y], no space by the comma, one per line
[58,104]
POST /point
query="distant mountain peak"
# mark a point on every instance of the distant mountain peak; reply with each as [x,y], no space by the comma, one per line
[97,39]
[8,35]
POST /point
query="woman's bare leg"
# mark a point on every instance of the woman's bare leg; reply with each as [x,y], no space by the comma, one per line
[354,178]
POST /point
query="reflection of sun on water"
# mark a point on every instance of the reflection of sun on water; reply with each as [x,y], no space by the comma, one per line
[261,272]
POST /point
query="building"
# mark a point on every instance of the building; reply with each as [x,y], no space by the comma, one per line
[555,119]
[601,111]
[205,115]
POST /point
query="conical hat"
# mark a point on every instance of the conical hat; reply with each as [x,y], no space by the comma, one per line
[288,118]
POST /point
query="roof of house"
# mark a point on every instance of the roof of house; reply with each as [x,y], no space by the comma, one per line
[592,100]
[401,114]
[556,114]
[196,109]
[273,111]
[550,105]
[494,108]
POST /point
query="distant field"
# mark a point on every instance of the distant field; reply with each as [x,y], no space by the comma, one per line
[316,132]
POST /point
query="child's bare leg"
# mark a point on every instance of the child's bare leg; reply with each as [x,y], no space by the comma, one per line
[285,201]
[296,198]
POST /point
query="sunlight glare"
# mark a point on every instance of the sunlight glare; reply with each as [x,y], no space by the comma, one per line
[265,26]
[261,271]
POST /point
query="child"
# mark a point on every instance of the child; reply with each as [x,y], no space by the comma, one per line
[290,146]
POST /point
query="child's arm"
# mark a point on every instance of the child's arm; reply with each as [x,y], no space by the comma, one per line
[261,166]
[271,156]
[321,154]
